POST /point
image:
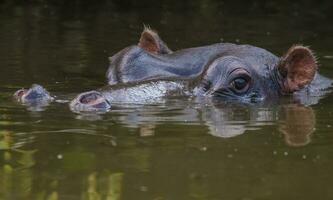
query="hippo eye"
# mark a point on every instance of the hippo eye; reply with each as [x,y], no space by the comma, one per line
[240,84]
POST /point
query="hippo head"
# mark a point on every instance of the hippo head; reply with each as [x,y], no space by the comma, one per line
[237,72]
[223,70]
[253,74]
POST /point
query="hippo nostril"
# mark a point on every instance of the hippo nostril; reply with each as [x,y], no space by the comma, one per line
[90,102]
[20,93]
[89,98]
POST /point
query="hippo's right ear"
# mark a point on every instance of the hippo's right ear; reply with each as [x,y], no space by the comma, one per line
[296,69]
[151,42]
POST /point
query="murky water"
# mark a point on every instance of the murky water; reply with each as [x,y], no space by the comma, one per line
[173,149]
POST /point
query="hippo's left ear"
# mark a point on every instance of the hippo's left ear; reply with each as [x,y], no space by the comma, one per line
[151,42]
[297,69]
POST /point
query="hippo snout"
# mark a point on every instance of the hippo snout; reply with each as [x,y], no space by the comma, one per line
[92,101]
[35,94]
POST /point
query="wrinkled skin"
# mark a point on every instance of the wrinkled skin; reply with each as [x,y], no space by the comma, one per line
[150,71]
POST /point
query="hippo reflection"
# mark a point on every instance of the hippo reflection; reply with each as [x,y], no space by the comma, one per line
[150,70]
[295,122]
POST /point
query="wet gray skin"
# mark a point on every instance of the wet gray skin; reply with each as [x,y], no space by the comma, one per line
[36,95]
[143,93]
[223,71]
[92,101]
[149,71]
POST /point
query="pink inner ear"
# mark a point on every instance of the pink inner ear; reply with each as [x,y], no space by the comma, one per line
[148,42]
[298,67]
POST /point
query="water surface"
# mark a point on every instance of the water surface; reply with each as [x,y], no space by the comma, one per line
[173,149]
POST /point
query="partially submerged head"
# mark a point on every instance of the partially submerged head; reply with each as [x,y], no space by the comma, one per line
[239,72]
[92,101]
[35,95]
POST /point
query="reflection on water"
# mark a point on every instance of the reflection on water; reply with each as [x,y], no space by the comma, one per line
[296,121]
[98,188]
[16,173]
[175,149]
[298,124]
[125,159]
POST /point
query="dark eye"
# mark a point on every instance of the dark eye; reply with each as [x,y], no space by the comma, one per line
[240,84]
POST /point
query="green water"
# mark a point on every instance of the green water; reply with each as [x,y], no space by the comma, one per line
[175,149]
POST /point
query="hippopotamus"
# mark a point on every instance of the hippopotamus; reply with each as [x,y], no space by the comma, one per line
[150,70]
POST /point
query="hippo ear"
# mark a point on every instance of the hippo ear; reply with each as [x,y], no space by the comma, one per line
[151,42]
[297,68]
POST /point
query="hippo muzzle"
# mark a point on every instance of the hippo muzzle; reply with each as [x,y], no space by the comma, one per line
[34,95]
[92,101]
